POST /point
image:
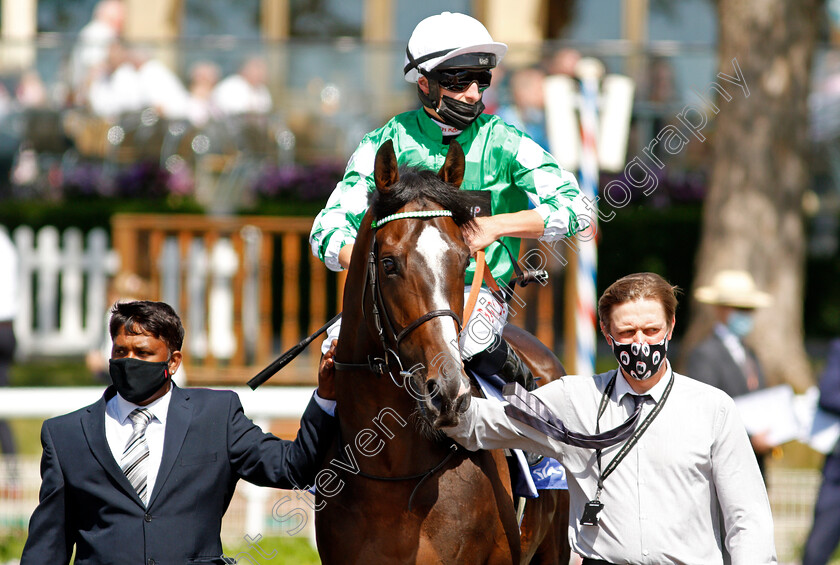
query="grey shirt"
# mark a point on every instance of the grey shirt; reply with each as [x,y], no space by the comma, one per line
[664,501]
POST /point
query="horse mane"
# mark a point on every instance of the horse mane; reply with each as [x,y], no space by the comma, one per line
[424,186]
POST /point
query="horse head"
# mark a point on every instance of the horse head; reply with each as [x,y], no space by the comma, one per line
[417,267]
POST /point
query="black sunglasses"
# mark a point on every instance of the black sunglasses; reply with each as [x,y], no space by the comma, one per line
[459,80]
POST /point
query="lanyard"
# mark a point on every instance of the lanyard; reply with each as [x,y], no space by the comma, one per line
[625,449]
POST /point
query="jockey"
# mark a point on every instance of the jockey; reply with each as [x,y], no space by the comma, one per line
[450,57]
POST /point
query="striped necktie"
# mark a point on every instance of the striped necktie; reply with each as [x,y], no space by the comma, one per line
[529,409]
[136,454]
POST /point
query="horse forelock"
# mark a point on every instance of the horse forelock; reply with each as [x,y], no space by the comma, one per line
[424,187]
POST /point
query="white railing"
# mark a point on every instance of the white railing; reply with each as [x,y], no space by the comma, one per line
[63,293]
[62,290]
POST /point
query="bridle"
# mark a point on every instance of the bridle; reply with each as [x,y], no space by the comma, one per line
[382,365]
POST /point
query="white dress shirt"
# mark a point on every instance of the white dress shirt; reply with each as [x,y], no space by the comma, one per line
[664,501]
[118,429]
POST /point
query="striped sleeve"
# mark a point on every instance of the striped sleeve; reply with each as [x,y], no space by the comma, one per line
[552,190]
[338,223]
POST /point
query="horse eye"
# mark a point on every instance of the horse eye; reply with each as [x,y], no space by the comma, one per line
[389,266]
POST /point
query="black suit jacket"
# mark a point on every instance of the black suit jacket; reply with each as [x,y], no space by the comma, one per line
[710,362]
[209,444]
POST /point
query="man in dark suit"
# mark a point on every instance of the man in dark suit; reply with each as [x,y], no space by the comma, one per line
[825,531]
[144,475]
[722,359]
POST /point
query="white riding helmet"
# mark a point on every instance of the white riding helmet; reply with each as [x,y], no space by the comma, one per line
[441,38]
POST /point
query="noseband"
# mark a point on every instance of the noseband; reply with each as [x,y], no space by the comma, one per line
[381,365]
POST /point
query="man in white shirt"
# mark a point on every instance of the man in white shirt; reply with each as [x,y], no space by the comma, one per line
[90,53]
[146,474]
[681,486]
[244,92]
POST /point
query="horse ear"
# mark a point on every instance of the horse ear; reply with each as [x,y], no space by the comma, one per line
[453,168]
[385,173]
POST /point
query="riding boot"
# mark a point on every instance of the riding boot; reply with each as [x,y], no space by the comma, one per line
[503,361]
[516,371]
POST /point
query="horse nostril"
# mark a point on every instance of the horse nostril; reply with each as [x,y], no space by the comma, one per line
[432,389]
[463,403]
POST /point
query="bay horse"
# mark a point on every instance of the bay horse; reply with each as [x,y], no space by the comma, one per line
[399,490]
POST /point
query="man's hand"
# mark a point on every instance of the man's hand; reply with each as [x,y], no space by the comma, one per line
[326,373]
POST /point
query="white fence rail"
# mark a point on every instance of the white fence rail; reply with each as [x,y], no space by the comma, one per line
[63,291]
[792,491]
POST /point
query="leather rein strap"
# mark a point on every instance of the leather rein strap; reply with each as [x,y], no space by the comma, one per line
[482,275]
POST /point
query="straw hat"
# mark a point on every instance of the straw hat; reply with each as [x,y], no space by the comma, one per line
[733,288]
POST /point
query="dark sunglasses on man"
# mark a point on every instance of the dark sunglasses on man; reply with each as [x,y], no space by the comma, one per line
[459,80]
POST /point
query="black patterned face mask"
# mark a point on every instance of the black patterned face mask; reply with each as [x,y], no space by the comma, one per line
[640,360]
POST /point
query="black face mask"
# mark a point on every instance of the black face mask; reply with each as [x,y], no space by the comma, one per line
[137,380]
[458,114]
[452,112]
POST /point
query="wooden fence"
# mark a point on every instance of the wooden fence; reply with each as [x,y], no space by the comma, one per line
[234,280]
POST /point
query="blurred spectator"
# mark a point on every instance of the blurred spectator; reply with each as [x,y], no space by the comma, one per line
[825,532]
[527,110]
[204,76]
[31,92]
[722,359]
[95,39]
[160,88]
[498,94]
[661,82]
[116,89]
[661,91]
[8,309]
[134,80]
[562,62]
[244,92]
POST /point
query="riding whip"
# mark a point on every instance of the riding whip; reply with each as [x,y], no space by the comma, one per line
[284,359]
